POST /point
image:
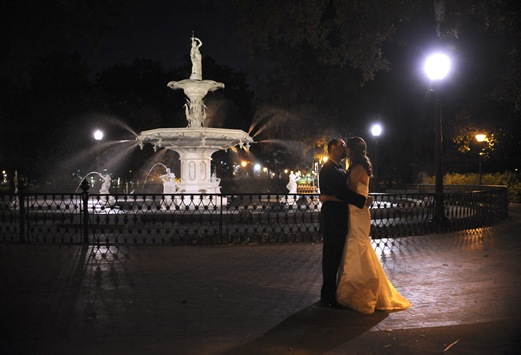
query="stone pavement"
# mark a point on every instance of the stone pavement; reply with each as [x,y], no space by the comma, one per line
[465,289]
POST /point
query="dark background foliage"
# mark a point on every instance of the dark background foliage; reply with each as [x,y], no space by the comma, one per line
[305,71]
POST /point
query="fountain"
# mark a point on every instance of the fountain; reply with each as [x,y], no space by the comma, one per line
[105,197]
[195,143]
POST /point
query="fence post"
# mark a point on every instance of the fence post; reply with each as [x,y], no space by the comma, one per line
[85,200]
[21,209]
[221,218]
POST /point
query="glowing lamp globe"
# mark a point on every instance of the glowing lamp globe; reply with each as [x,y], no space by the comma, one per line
[437,66]
[376,130]
[98,135]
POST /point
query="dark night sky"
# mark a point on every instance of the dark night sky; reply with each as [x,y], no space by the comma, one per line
[161,30]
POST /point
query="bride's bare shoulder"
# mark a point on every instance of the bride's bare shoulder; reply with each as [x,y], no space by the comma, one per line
[358,175]
[357,171]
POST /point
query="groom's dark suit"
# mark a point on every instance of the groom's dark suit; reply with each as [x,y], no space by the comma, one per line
[334,217]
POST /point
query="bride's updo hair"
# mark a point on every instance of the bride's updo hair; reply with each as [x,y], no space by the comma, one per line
[358,149]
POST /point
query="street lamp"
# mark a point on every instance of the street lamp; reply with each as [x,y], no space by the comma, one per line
[437,66]
[376,130]
[480,138]
[98,136]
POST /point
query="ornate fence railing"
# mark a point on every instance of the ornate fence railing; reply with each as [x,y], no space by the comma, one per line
[192,219]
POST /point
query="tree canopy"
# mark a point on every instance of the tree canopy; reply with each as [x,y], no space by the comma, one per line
[332,67]
[360,59]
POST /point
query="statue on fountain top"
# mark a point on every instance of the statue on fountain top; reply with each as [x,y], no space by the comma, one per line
[195,88]
[196,57]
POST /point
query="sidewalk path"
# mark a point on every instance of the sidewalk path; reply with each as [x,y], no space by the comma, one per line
[465,287]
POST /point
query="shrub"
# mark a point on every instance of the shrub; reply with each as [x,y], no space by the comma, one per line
[508,178]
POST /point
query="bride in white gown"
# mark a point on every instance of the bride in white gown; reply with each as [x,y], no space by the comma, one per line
[362,283]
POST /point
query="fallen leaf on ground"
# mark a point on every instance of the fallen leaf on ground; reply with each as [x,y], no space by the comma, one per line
[451,345]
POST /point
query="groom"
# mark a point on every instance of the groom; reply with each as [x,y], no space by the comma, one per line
[334,217]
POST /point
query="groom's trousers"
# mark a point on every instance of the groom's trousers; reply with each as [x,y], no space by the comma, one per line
[333,227]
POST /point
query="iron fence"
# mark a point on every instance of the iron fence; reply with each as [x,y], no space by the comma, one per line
[221,219]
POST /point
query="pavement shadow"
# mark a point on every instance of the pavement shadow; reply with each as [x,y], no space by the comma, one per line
[313,330]
[40,286]
[104,268]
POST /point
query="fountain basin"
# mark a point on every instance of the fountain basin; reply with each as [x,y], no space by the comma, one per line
[197,88]
[203,138]
[195,147]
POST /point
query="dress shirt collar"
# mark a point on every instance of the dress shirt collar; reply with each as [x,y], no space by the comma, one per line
[338,165]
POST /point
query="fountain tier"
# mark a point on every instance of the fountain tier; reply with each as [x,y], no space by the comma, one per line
[195,147]
[195,90]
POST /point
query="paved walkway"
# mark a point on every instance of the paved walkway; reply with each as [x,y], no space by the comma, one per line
[465,288]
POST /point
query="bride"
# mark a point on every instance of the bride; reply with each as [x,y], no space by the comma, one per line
[362,283]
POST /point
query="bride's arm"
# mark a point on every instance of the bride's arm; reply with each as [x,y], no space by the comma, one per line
[324,198]
[359,175]
[355,176]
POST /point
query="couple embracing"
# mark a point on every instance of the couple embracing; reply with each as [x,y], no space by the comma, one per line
[352,274]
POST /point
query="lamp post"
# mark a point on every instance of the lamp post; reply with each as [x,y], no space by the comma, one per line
[437,66]
[480,138]
[98,136]
[376,130]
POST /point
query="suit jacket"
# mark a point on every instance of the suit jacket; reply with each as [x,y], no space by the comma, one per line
[335,215]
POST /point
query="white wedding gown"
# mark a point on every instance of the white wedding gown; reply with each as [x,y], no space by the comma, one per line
[363,285]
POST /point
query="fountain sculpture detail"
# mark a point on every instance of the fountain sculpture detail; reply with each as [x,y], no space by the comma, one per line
[196,143]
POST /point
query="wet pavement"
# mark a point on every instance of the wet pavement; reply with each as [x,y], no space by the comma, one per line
[465,288]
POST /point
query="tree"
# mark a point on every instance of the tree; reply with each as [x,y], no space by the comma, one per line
[352,58]
[41,75]
[332,32]
[41,117]
[138,94]
[32,29]
[358,32]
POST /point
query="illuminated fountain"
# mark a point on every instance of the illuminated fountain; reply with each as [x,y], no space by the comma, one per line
[195,143]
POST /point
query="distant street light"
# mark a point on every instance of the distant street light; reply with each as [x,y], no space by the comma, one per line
[480,138]
[376,130]
[98,136]
[437,66]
